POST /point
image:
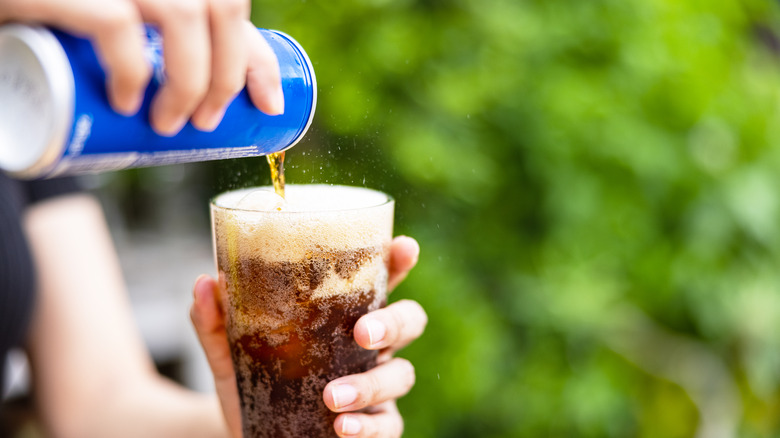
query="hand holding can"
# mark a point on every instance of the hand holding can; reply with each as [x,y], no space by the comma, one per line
[56,118]
[60,88]
[211,52]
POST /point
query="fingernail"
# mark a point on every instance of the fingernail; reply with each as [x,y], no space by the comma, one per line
[129,106]
[168,126]
[210,121]
[412,242]
[376,332]
[197,290]
[135,103]
[350,425]
[277,102]
[343,395]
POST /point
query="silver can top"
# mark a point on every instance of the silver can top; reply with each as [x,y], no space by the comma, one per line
[36,99]
[308,69]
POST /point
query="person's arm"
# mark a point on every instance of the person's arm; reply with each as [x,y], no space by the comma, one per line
[92,374]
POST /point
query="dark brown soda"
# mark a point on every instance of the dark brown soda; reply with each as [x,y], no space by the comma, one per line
[289,339]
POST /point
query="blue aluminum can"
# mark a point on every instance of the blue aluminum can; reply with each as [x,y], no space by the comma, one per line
[55,118]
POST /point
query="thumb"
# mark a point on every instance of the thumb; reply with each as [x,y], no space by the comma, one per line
[209,324]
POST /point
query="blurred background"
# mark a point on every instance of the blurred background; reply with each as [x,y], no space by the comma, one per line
[595,186]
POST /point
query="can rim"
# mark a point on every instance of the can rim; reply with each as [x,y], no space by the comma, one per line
[311,76]
[53,61]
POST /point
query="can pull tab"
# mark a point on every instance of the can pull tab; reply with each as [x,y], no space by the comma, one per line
[37,105]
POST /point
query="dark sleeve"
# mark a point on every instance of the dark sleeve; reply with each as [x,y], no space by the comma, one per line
[17,277]
[17,273]
[39,190]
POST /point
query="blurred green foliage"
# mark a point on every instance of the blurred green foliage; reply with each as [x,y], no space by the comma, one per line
[596,189]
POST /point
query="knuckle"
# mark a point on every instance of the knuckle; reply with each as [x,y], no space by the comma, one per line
[397,325]
[229,8]
[224,89]
[116,20]
[187,9]
[179,10]
[373,389]
[188,89]
[120,14]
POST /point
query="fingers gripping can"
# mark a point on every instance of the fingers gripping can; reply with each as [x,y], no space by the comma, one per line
[55,117]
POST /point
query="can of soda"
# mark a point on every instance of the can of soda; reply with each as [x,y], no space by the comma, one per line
[55,118]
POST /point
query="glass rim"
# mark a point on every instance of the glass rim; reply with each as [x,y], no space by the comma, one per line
[387,199]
